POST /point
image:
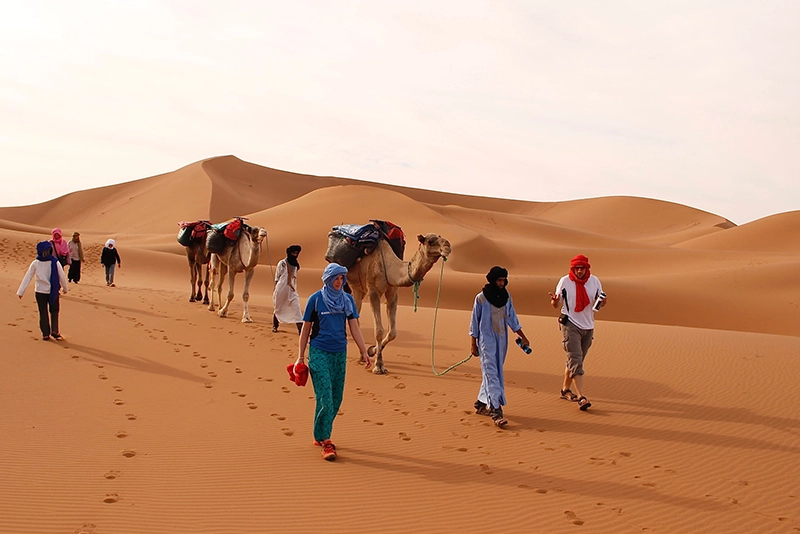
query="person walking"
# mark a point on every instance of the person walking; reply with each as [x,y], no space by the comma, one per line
[285,300]
[328,312]
[49,280]
[492,315]
[60,247]
[110,260]
[75,257]
[575,294]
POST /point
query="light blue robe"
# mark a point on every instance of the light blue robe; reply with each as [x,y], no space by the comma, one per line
[489,325]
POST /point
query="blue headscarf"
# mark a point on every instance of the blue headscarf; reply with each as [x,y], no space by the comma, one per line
[336,301]
[55,281]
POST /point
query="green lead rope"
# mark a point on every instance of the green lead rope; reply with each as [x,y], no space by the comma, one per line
[433,336]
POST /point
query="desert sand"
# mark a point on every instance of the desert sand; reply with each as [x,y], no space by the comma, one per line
[155,415]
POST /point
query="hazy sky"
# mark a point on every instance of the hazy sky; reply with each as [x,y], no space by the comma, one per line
[695,102]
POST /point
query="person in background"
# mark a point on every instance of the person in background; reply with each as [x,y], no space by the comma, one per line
[285,300]
[49,280]
[60,247]
[575,293]
[492,315]
[328,313]
[110,260]
[75,257]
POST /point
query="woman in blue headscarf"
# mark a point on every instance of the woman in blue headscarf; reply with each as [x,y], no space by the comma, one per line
[328,312]
[50,278]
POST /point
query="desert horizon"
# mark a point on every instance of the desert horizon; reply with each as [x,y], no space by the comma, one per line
[156,415]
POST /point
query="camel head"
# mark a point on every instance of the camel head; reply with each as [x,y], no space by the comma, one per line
[434,246]
[257,234]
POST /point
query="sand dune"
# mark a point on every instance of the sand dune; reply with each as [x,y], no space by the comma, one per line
[777,233]
[155,415]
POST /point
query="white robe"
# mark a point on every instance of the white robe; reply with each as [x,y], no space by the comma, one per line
[285,299]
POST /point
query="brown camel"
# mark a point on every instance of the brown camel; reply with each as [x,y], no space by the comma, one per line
[199,258]
[238,256]
[380,273]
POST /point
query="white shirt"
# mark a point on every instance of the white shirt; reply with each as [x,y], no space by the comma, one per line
[585,318]
[41,270]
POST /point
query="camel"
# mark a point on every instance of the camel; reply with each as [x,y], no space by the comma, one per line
[380,273]
[238,256]
[199,258]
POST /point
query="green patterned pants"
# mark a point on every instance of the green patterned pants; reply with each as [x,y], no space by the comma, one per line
[327,374]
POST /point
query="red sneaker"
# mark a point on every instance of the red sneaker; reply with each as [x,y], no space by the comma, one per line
[328,451]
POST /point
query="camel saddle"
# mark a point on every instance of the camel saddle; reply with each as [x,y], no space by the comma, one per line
[192,232]
[347,243]
[222,233]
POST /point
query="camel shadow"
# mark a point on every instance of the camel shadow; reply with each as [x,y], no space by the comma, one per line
[113,307]
[135,364]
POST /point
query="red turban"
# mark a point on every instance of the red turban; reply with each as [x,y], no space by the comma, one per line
[581,296]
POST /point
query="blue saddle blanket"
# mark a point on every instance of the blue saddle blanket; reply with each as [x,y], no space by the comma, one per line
[359,234]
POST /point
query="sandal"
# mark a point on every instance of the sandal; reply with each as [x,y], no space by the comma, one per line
[45,338]
[57,337]
[498,419]
[566,394]
[584,404]
[481,408]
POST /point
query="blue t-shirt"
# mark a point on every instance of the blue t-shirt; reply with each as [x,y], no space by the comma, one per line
[328,331]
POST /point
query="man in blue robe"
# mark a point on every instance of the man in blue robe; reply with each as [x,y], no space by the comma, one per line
[492,315]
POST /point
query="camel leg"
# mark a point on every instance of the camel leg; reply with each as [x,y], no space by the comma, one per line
[192,277]
[248,276]
[215,283]
[206,275]
[197,286]
[223,311]
[377,350]
[391,312]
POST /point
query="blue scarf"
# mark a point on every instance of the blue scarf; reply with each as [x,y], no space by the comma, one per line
[336,301]
[55,280]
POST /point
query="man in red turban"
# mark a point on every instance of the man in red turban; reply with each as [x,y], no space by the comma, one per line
[575,294]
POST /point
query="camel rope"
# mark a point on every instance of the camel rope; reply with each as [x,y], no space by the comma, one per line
[433,335]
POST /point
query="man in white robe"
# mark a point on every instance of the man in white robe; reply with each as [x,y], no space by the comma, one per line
[285,299]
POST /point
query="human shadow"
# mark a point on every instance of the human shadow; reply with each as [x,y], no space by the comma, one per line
[459,473]
[114,307]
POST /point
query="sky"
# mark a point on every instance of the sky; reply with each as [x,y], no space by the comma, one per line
[694,102]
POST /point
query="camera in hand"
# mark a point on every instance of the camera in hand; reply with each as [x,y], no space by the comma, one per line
[525,348]
[601,296]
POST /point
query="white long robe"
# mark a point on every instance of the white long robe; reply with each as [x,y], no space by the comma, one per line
[285,299]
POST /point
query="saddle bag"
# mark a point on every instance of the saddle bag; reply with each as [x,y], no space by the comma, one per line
[349,242]
[393,234]
[215,241]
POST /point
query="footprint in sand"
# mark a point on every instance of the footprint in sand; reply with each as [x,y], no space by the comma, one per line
[111,475]
[75,356]
[209,385]
[212,374]
[102,377]
[97,365]
[287,431]
[111,498]
[574,519]
[486,469]
[252,405]
[127,453]
[117,388]
[86,528]
[119,402]
[238,370]
[130,417]
[203,365]
[285,389]
[400,386]
[404,436]
[121,434]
